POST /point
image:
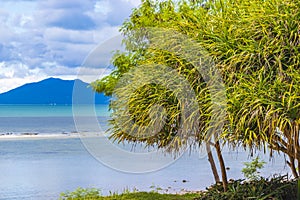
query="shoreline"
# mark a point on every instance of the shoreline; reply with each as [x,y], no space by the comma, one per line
[47,136]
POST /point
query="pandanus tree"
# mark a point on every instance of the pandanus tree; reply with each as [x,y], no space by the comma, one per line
[254,44]
[162,97]
[257,47]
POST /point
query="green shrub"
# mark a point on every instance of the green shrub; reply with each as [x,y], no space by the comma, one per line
[81,193]
[250,170]
[277,188]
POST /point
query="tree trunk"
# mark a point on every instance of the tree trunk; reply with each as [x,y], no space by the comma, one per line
[212,163]
[298,169]
[222,166]
[291,164]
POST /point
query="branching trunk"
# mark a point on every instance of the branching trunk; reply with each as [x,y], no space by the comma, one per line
[212,163]
[222,166]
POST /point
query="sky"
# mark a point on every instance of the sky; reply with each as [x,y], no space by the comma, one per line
[52,38]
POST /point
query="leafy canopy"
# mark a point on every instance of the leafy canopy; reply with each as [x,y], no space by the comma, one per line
[254,44]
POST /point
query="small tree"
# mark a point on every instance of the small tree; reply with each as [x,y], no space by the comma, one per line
[250,169]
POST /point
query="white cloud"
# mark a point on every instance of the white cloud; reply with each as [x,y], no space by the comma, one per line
[15,74]
[135,2]
[69,36]
[39,39]
[103,7]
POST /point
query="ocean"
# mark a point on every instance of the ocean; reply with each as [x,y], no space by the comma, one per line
[41,168]
[48,119]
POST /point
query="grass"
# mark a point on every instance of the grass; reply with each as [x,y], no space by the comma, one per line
[129,196]
[151,196]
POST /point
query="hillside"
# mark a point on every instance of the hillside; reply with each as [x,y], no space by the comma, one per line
[52,91]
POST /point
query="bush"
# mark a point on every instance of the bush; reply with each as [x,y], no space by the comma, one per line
[250,170]
[81,193]
[276,188]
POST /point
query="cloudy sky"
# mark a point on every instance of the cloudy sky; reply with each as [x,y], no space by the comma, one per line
[52,38]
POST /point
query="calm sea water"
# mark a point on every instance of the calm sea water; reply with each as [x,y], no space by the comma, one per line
[47,119]
[42,169]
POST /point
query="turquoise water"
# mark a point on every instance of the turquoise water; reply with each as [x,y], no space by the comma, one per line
[51,110]
[47,119]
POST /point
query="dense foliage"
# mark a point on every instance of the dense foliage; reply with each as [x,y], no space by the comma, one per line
[255,46]
[278,188]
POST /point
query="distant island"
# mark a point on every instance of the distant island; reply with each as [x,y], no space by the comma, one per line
[53,91]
